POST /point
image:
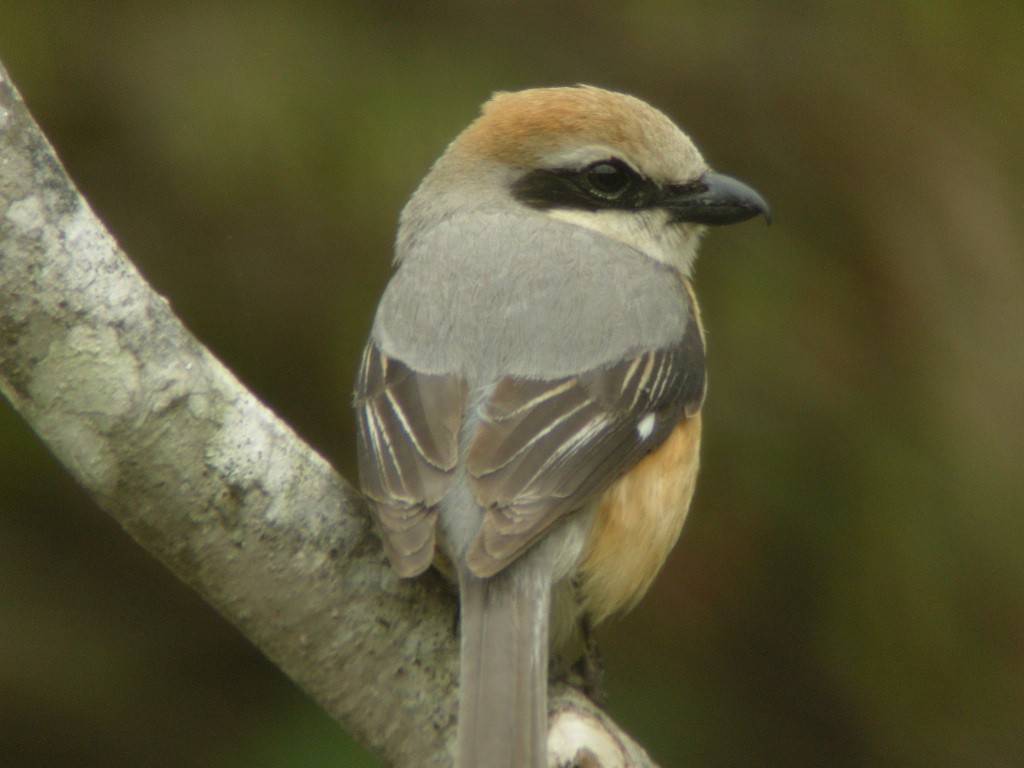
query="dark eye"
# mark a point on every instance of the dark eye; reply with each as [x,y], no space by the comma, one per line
[609,179]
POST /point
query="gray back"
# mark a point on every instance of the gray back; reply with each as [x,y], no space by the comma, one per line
[489,294]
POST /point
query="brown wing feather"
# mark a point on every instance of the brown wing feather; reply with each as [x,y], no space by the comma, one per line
[408,427]
[545,448]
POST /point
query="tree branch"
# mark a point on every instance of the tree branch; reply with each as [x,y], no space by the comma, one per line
[212,483]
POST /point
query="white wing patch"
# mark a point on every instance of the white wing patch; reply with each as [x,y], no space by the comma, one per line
[645,426]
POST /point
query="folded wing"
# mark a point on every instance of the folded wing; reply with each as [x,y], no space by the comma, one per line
[543,449]
[408,428]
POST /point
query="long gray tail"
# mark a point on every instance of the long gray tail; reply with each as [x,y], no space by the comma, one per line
[503,702]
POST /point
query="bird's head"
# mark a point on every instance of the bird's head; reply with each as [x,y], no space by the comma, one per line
[596,159]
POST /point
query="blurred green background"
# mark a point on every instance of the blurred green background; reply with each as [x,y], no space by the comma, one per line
[849,590]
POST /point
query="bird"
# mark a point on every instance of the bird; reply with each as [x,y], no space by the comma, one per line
[528,404]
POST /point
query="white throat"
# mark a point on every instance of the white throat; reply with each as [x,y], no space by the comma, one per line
[647,231]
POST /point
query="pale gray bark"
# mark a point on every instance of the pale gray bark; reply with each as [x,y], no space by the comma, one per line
[212,483]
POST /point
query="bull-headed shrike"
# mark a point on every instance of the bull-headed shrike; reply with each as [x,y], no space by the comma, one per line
[529,401]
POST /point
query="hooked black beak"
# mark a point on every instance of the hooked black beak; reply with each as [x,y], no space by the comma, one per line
[715,199]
